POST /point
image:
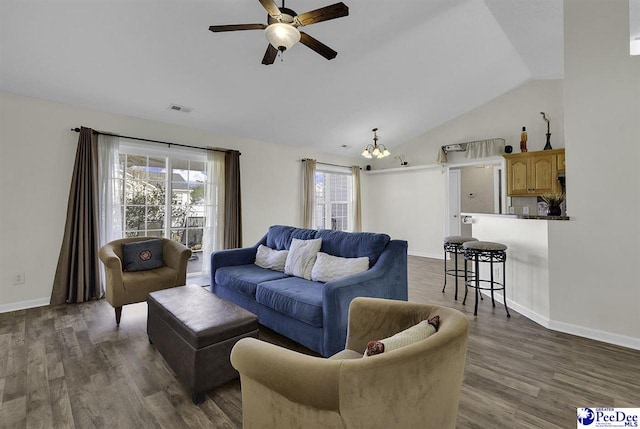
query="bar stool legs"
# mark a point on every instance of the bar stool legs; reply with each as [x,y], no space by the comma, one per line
[453,246]
[485,251]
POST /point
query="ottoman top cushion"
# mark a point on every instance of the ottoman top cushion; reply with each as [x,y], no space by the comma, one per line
[201,317]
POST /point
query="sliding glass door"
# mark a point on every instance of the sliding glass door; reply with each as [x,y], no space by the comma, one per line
[163,195]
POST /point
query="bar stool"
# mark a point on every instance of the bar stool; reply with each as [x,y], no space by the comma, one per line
[485,251]
[453,246]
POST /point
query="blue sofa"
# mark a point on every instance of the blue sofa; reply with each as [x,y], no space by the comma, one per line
[312,313]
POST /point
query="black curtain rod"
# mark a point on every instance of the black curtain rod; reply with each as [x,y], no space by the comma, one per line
[77,130]
[333,165]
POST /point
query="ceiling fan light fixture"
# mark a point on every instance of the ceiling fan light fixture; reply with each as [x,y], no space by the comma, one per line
[282,36]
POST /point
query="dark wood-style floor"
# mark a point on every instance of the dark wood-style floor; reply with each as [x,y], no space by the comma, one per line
[70,366]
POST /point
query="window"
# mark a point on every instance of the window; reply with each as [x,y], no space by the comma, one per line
[163,195]
[333,201]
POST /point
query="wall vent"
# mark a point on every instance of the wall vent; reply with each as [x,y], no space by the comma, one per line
[179,108]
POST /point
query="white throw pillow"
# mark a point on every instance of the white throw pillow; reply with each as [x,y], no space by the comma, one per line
[271,259]
[329,267]
[419,332]
[301,257]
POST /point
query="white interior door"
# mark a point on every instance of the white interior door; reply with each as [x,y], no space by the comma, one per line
[454,203]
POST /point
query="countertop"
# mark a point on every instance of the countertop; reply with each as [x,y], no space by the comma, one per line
[514,216]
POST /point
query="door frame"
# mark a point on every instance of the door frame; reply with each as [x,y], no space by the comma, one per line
[448,214]
[497,190]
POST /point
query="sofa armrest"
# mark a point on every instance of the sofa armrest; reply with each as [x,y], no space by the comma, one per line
[109,258]
[373,319]
[114,287]
[175,255]
[303,379]
[386,279]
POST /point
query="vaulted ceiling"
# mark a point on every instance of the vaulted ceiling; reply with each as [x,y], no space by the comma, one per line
[403,66]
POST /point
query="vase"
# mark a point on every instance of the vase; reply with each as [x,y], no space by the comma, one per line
[548,145]
[554,211]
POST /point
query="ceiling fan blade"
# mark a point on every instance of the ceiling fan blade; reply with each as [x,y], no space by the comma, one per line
[221,28]
[317,46]
[326,13]
[272,8]
[270,55]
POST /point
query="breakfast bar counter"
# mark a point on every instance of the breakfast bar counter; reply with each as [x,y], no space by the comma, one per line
[527,266]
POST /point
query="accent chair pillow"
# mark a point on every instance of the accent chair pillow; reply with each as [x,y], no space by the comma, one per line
[329,267]
[301,257]
[271,259]
[142,255]
[411,335]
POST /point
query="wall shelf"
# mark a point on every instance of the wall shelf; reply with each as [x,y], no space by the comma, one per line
[411,168]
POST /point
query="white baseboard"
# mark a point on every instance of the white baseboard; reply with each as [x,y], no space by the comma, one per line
[568,328]
[426,255]
[531,315]
[22,305]
[596,334]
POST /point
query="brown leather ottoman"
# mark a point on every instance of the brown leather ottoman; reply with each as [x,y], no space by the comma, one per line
[194,331]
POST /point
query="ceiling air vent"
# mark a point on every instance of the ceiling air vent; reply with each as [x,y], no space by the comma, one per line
[179,108]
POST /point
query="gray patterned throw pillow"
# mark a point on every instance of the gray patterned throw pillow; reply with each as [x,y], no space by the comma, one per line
[142,255]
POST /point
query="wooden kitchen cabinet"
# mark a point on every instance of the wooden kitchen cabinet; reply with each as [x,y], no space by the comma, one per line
[534,173]
[561,166]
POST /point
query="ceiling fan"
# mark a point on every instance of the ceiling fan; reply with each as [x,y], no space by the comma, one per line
[282,31]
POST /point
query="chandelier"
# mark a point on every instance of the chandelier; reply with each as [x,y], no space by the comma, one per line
[375,149]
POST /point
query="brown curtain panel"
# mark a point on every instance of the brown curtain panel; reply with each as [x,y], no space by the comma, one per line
[232,201]
[78,273]
[308,192]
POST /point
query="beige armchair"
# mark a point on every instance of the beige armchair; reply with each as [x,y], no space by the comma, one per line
[417,386]
[123,288]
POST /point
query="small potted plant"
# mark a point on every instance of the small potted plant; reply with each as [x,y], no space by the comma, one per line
[553,201]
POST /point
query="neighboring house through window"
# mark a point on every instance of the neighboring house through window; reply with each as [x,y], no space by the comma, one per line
[333,208]
[163,195]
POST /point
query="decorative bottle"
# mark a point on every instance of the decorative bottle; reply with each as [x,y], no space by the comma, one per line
[523,140]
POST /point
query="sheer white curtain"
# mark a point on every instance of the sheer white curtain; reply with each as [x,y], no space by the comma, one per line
[109,192]
[357,204]
[213,238]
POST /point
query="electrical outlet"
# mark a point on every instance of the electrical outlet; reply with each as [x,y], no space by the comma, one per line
[525,210]
[18,278]
[496,271]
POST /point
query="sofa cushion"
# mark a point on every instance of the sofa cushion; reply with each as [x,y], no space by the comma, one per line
[142,255]
[353,244]
[271,259]
[295,297]
[301,257]
[329,267]
[244,278]
[279,237]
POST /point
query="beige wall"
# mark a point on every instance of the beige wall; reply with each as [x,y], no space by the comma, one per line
[37,155]
[476,189]
[594,259]
[406,204]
